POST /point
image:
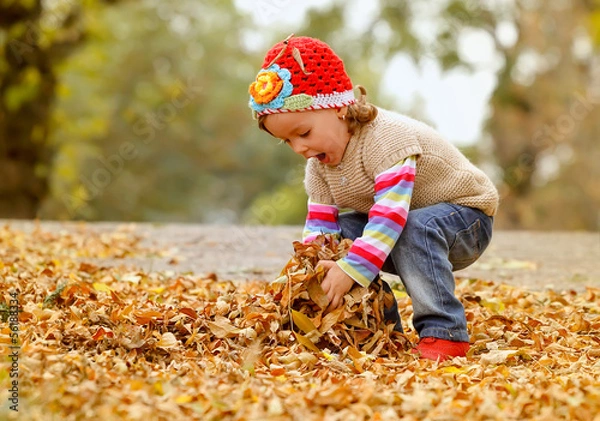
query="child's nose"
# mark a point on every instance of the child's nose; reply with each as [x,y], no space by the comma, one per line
[299,147]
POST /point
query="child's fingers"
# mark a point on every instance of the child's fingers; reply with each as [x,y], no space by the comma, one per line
[334,302]
[326,264]
[328,290]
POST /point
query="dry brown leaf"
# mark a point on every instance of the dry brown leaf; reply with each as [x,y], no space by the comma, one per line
[222,328]
[167,340]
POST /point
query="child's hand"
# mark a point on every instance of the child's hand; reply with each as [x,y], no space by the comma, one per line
[336,283]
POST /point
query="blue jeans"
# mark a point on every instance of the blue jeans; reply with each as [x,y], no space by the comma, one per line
[436,240]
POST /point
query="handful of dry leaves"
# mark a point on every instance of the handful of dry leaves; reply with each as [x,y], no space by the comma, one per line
[358,325]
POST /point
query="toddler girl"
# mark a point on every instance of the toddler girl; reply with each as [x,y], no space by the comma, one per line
[414,205]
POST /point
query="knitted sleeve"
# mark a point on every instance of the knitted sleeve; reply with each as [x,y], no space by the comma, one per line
[387,218]
[320,219]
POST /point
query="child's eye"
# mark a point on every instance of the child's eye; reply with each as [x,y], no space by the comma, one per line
[305,133]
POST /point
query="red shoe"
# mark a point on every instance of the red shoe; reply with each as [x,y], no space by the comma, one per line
[440,349]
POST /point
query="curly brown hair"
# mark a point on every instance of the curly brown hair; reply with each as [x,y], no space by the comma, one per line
[359,113]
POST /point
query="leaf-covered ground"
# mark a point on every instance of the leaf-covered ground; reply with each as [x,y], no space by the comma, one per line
[117,343]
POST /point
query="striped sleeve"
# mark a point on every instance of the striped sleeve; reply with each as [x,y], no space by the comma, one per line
[320,219]
[387,218]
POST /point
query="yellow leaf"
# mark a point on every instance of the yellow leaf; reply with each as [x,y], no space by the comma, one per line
[157,290]
[181,399]
[354,353]
[303,322]
[99,286]
[306,342]
[451,369]
[158,388]
[327,356]
[494,305]
[400,294]
[510,389]
[136,385]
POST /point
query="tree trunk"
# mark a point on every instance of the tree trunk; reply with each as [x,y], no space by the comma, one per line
[26,95]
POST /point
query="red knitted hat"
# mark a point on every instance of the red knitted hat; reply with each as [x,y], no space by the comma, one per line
[300,74]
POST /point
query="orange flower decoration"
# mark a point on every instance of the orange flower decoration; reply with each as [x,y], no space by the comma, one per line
[270,89]
[266,87]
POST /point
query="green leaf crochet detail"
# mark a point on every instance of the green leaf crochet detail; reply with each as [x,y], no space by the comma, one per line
[298,102]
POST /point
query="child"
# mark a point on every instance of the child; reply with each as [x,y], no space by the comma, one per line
[379,164]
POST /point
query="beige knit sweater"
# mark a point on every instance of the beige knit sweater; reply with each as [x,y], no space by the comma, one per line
[444,174]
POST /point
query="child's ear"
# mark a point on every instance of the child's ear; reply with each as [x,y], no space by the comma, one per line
[341,112]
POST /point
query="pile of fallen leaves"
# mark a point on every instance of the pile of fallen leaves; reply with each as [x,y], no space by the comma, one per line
[118,343]
[357,326]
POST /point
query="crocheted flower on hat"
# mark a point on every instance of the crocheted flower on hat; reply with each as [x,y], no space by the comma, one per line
[270,89]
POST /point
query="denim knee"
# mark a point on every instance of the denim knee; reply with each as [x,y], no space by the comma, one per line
[352,224]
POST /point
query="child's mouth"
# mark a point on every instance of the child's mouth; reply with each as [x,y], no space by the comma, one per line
[321,157]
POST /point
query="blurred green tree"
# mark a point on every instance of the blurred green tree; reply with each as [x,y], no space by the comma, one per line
[35,37]
[164,132]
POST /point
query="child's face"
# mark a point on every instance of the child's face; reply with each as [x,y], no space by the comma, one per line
[320,134]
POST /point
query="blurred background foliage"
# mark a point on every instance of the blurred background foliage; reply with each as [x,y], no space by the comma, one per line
[136,110]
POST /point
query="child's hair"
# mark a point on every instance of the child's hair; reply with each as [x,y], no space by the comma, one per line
[359,113]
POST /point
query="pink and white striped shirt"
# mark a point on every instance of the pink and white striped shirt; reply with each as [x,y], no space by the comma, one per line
[386,220]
